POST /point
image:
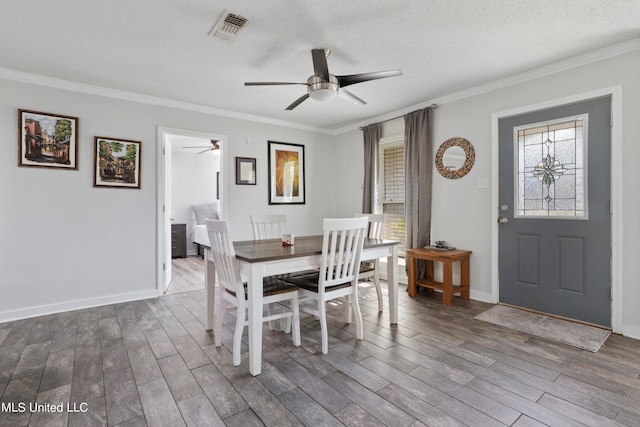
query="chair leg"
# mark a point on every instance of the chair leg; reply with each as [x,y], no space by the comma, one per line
[272,323]
[294,320]
[222,310]
[348,309]
[241,316]
[376,282]
[322,309]
[358,314]
[277,324]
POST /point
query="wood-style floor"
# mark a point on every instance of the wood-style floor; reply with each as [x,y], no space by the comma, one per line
[152,363]
[187,274]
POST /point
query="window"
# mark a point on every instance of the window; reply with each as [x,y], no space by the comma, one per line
[390,190]
[551,177]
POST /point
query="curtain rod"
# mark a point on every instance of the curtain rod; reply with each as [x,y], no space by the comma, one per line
[432,106]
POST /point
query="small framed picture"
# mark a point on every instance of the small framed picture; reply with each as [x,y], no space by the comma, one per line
[286,173]
[47,140]
[245,171]
[116,163]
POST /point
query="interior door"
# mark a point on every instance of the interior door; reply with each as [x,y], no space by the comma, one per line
[167,214]
[555,232]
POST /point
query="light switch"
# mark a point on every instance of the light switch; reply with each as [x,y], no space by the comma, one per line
[483,183]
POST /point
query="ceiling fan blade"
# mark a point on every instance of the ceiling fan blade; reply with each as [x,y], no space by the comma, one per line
[273,83]
[320,67]
[344,94]
[203,151]
[297,102]
[365,77]
[199,146]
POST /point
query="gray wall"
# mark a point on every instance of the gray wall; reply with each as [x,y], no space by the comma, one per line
[463,214]
[65,244]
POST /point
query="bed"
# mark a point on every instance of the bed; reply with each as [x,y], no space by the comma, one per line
[200,213]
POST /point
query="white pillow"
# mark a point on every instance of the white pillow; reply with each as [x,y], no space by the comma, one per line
[205,211]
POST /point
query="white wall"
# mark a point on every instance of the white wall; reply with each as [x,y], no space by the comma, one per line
[65,244]
[463,215]
[193,182]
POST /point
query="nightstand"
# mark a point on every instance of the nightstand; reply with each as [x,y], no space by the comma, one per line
[178,240]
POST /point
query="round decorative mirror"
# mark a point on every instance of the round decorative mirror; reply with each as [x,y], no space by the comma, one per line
[455,157]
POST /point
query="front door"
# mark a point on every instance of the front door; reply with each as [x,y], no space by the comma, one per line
[555,232]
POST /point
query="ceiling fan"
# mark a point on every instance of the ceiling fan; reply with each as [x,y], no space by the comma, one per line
[215,145]
[323,85]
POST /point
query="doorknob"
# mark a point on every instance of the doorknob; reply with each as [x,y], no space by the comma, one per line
[502,220]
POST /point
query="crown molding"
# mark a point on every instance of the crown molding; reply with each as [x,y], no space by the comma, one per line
[52,82]
[536,73]
[567,64]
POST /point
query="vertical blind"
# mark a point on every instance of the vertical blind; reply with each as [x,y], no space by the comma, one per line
[392,194]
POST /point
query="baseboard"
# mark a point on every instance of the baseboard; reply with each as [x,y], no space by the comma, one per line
[480,296]
[631,331]
[42,310]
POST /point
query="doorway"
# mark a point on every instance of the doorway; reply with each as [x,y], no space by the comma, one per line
[187,175]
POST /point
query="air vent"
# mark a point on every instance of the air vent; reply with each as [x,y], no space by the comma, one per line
[228,26]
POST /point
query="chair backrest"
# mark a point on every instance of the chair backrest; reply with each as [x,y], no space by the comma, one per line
[224,256]
[376,225]
[341,247]
[268,226]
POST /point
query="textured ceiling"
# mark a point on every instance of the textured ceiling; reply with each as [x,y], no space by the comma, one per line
[161,48]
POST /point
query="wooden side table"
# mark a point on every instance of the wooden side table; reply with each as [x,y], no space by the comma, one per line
[447,258]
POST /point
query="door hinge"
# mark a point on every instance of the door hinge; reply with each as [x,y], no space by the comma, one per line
[164,266]
[162,208]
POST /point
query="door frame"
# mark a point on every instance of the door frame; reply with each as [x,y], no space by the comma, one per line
[161,247]
[616,188]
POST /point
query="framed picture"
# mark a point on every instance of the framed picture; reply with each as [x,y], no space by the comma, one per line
[245,171]
[47,140]
[116,163]
[286,173]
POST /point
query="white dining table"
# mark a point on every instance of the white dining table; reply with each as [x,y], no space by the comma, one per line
[261,258]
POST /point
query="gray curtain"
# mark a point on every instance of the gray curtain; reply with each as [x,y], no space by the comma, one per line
[417,180]
[371,135]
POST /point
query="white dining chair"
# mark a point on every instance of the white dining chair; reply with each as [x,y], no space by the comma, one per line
[370,269]
[232,292]
[337,277]
[268,226]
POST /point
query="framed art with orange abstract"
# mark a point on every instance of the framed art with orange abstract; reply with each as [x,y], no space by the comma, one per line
[286,173]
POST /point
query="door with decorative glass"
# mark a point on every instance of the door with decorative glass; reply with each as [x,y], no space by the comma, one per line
[554,213]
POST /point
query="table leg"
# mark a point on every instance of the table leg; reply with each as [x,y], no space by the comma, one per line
[429,270]
[210,287]
[254,294]
[447,282]
[464,278]
[411,273]
[392,283]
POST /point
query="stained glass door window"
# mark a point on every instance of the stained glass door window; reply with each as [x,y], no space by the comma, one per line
[551,169]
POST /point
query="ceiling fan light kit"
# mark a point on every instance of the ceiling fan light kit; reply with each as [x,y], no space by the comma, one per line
[322,90]
[323,86]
